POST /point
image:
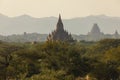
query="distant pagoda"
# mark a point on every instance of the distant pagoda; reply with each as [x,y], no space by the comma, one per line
[60,34]
[116,35]
[95,34]
[95,30]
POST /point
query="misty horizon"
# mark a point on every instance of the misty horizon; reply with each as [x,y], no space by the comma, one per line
[58,15]
[44,25]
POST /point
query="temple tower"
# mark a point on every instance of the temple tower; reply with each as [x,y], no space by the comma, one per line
[60,34]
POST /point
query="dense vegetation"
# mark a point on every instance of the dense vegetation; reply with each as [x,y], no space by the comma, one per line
[60,60]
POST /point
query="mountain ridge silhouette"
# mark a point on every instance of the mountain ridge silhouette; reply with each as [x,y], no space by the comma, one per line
[44,25]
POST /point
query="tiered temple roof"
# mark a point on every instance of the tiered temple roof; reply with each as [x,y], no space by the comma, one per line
[60,34]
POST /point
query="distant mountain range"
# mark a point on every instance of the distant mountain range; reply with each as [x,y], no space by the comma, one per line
[79,25]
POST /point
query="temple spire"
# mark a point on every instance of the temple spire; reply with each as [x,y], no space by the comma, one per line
[116,32]
[59,24]
[116,35]
[59,18]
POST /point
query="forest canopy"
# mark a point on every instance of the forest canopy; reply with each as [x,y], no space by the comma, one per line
[60,60]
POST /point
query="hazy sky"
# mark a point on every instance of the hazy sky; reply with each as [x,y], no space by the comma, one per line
[68,8]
